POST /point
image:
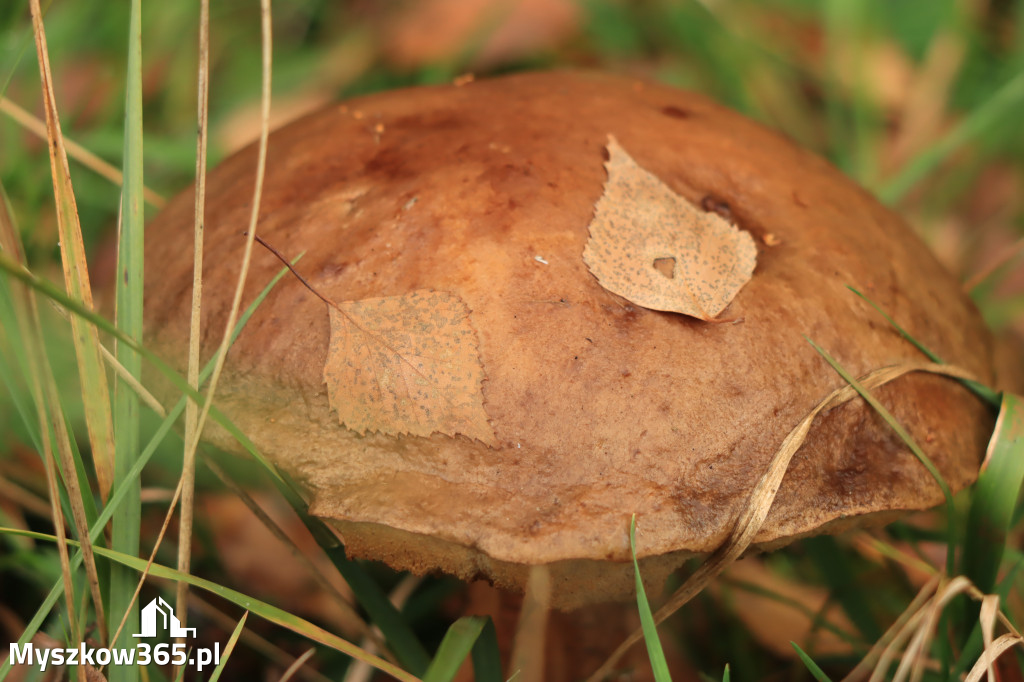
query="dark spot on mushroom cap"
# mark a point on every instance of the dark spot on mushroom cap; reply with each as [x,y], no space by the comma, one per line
[713,204]
[676,112]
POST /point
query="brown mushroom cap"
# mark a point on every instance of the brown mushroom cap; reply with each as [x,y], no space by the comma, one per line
[600,408]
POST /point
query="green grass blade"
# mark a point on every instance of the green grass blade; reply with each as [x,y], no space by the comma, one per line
[995,497]
[654,651]
[120,492]
[834,567]
[487,655]
[982,391]
[125,531]
[907,439]
[228,648]
[725,674]
[266,611]
[455,646]
[397,633]
[55,294]
[812,667]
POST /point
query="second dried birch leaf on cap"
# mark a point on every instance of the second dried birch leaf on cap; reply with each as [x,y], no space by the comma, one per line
[406,365]
[654,248]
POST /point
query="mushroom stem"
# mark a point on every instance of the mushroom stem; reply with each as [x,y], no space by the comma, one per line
[531,632]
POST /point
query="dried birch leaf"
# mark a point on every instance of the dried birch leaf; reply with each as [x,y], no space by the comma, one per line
[406,365]
[655,249]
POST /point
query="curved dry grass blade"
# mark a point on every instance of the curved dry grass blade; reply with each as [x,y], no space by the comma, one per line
[987,618]
[893,637]
[989,656]
[984,392]
[913,661]
[907,440]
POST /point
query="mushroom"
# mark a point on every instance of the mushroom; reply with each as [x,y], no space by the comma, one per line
[598,408]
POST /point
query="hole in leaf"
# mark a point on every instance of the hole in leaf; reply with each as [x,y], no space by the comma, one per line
[666,266]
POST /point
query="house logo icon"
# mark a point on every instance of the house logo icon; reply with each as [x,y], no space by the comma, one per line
[159,610]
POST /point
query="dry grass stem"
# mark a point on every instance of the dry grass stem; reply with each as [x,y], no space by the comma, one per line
[361,671]
[893,634]
[148,398]
[987,617]
[188,470]
[354,626]
[261,163]
[297,665]
[985,664]
[531,632]
[912,664]
[76,151]
[254,641]
[151,559]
